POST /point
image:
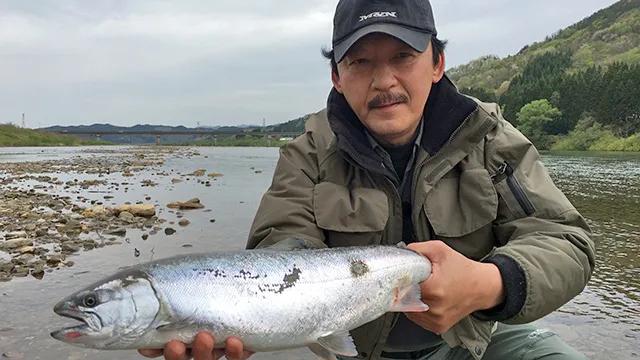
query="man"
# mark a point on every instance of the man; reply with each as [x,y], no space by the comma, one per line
[400,155]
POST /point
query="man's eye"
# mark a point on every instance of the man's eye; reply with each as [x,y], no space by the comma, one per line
[404,55]
[359,62]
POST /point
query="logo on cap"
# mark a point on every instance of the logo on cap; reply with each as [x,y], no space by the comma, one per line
[379,14]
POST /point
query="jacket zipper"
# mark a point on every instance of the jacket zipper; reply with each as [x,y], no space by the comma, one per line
[506,171]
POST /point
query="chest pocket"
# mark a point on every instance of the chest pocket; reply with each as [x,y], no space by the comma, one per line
[350,217]
[461,210]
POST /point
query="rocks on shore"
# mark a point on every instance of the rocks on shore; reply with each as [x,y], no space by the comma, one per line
[186,205]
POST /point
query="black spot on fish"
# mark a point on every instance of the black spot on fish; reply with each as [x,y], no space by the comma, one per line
[292,278]
[210,272]
[358,268]
[244,274]
[289,280]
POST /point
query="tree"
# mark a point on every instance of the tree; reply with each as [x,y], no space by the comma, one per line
[535,119]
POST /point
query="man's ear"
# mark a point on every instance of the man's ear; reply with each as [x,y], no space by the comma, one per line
[335,79]
[438,70]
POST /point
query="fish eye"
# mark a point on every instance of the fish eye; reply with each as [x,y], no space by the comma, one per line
[90,300]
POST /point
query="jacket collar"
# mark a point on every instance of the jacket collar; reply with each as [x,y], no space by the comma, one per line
[445,112]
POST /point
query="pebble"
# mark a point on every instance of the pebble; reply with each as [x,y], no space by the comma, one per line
[13,355]
[169,231]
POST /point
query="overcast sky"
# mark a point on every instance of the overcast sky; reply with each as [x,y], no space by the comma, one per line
[222,62]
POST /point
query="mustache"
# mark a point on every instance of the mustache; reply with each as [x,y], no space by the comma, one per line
[386,99]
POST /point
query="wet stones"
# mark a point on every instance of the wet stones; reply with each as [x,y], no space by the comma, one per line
[186,205]
[141,210]
[199,172]
[13,244]
[116,231]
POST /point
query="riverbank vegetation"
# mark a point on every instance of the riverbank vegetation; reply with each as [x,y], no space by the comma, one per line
[245,141]
[11,135]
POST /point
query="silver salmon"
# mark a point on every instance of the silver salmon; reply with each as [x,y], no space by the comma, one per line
[270,299]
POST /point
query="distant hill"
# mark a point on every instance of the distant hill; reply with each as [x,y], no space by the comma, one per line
[295,126]
[146,139]
[11,135]
[610,35]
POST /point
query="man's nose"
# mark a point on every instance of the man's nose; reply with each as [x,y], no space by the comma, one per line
[383,77]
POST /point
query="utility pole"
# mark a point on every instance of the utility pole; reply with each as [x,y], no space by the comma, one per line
[24,125]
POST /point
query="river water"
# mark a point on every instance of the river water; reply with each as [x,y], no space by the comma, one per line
[603,322]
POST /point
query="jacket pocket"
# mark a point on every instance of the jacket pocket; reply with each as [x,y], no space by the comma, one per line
[460,205]
[350,217]
[511,192]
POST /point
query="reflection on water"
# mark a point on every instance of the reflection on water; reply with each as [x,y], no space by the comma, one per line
[603,322]
[606,190]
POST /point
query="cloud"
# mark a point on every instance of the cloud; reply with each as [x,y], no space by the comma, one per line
[213,62]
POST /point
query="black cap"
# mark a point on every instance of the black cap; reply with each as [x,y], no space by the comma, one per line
[408,20]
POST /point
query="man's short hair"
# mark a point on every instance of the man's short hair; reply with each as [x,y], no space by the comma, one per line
[437,45]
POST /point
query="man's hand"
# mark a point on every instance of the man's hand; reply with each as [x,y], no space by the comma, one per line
[201,349]
[457,287]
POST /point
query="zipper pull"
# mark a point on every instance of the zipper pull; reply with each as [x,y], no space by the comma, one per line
[503,171]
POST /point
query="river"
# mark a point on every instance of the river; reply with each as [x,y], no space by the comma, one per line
[603,322]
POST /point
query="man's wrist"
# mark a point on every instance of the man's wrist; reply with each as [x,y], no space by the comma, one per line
[491,287]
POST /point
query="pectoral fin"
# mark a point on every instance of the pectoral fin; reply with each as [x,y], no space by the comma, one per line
[339,343]
[321,352]
[408,299]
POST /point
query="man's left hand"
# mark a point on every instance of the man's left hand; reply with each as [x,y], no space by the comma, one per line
[457,287]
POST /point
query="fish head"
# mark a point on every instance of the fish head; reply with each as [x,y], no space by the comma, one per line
[115,313]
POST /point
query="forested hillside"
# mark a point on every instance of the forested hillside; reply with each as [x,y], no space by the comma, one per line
[587,74]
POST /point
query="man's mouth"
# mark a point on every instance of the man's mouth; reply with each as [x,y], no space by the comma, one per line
[386,105]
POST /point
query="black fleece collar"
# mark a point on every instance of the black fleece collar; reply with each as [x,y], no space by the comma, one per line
[446,110]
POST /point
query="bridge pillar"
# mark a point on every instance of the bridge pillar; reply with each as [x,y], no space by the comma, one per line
[157,139]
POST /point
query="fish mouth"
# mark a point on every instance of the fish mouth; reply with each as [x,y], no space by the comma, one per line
[90,323]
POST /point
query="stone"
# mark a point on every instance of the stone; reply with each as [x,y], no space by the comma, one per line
[186,205]
[13,355]
[141,210]
[169,231]
[70,248]
[117,232]
[126,216]
[199,172]
[95,211]
[15,244]
[27,250]
[215,175]
[184,222]
[15,235]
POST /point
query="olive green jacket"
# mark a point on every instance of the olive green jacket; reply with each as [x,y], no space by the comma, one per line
[478,185]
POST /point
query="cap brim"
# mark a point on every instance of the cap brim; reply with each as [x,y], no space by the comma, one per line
[416,39]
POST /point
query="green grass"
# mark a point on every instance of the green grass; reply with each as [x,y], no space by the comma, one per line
[243,142]
[11,135]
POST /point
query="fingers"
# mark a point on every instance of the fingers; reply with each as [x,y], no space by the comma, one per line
[235,349]
[175,350]
[150,353]
[202,348]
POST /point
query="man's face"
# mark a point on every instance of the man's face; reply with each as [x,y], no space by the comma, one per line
[387,83]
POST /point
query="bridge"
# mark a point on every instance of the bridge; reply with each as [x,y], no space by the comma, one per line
[158,134]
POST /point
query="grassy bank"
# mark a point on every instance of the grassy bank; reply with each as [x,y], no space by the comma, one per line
[11,135]
[595,137]
[243,142]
